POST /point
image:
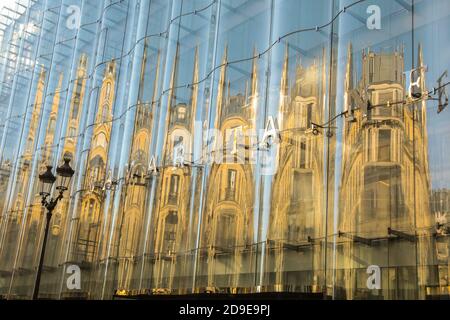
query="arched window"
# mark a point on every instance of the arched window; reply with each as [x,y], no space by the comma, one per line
[173,188]
[51,125]
[170,230]
[231,185]
[226,230]
[90,211]
[101,141]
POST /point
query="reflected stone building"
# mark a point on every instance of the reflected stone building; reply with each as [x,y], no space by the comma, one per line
[297,215]
[86,242]
[69,149]
[227,225]
[15,204]
[172,208]
[385,184]
[166,110]
[32,231]
[131,221]
[440,204]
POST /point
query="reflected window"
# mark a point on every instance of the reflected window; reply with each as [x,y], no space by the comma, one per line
[105,113]
[170,231]
[72,132]
[226,231]
[309,115]
[177,143]
[231,185]
[302,201]
[108,90]
[371,68]
[384,145]
[52,125]
[76,100]
[383,194]
[181,113]
[101,141]
[385,97]
[29,145]
[303,154]
[90,215]
[173,189]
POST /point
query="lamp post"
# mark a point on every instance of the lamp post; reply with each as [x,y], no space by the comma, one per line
[47,179]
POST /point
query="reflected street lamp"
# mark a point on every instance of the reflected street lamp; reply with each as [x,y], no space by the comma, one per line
[47,179]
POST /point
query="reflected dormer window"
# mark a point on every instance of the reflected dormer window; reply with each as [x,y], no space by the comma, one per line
[181,113]
[309,115]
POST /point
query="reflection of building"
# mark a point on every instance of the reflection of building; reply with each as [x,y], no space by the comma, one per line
[28,252]
[135,202]
[46,157]
[96,167]
[227,223]
[440,204]
[385,181]
[48,145]
[16,209]
[71,138]
[298,192]
[76,105]
[172,215]
[5,171]
[27,156]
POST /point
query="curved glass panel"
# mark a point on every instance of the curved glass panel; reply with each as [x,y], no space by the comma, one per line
[225,146]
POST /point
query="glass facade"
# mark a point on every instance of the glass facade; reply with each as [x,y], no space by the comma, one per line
[227,146]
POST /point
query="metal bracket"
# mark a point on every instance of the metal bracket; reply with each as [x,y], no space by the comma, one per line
[403,235]
[355,238]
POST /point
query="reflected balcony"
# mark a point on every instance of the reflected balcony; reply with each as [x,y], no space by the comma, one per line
[172,198]
[230,194]
[236,107]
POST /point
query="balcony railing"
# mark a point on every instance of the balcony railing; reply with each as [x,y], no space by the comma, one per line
[172,198]
[230,194]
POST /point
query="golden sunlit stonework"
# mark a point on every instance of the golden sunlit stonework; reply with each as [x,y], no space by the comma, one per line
[225,147]
[226,229]
[297,214]
[384,169]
